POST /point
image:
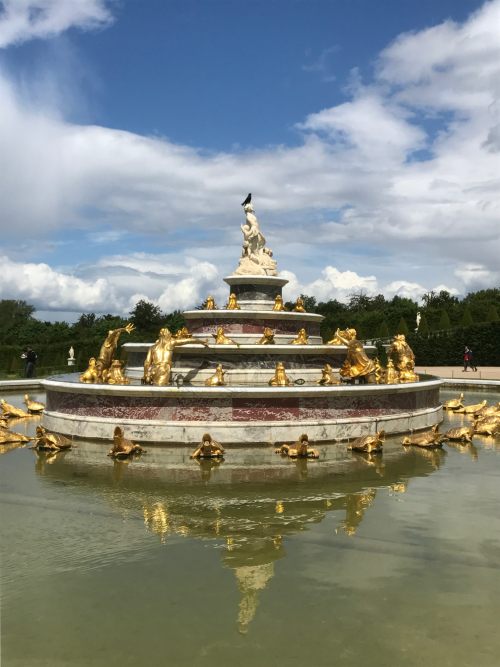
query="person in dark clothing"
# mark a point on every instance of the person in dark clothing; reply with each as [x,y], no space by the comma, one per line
[471,361]
[30,358]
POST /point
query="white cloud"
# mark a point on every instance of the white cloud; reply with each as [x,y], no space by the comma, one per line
[21,20]
[357,160]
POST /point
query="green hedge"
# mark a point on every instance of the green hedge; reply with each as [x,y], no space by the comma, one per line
[446,348]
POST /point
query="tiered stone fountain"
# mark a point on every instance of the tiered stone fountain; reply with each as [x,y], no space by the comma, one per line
[246,409]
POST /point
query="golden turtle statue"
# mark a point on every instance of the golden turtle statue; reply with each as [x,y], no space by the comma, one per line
[11,411]
[471,409]
[34,407]
[487,426]
[462,434]
[429,439]
[368,443]
[454,403]
[52,442]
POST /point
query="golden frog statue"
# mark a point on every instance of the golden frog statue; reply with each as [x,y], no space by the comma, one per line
[302,338]
[34,407]
[327,376]
[232,304]
[210,304]
[391,375]
[278,303]
[454,403]
[11,411]
[280,378]
[404,359]
[430,439]
[299,449]
[358,364]
[91,375]
[299,305]
[462,434]
[217,379]
[338,337]
[158,364]
[52,442]
[222,339]
[115,374]
[267,337]
[368,443]
[183,332]
[123,448]
[208,449]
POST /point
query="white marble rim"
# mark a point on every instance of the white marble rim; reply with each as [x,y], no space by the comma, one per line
[239,279]
[53,384]
[246,433]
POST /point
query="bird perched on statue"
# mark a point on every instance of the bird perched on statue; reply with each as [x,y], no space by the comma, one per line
[247,200]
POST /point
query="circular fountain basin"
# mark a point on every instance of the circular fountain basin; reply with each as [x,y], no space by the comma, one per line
[238,414]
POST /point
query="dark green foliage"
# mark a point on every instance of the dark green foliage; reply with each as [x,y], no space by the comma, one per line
[402,327]
[383,330]
[146,317]
[444,321]
[423,327]
[446,348]
[493,314]
[467,320]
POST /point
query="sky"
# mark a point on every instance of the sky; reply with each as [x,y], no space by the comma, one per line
[131,131]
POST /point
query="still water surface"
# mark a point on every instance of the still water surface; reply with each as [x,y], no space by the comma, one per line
[256,561]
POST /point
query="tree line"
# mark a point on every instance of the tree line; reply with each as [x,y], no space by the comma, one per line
[446,324]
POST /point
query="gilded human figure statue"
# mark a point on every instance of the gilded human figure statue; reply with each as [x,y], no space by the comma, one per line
[299,305]
[280,378]
[278,303]
[404,359]
[108,350]
[302,338]
[357,364]
[232,304]
[210,303]
[327,376]
[256,258]
[208,449]
[267,337]
[158,364]
[217,379]
[222,339]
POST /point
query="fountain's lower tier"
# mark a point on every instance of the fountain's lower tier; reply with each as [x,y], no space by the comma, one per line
[250,415]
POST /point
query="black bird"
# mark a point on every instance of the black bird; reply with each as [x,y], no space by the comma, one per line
[247,200]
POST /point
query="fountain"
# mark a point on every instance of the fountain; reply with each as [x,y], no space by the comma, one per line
[250,373]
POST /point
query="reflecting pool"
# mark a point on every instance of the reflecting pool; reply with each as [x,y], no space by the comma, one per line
[350,560]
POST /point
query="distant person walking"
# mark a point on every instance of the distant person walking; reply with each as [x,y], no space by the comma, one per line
[30,358]
[468,361]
